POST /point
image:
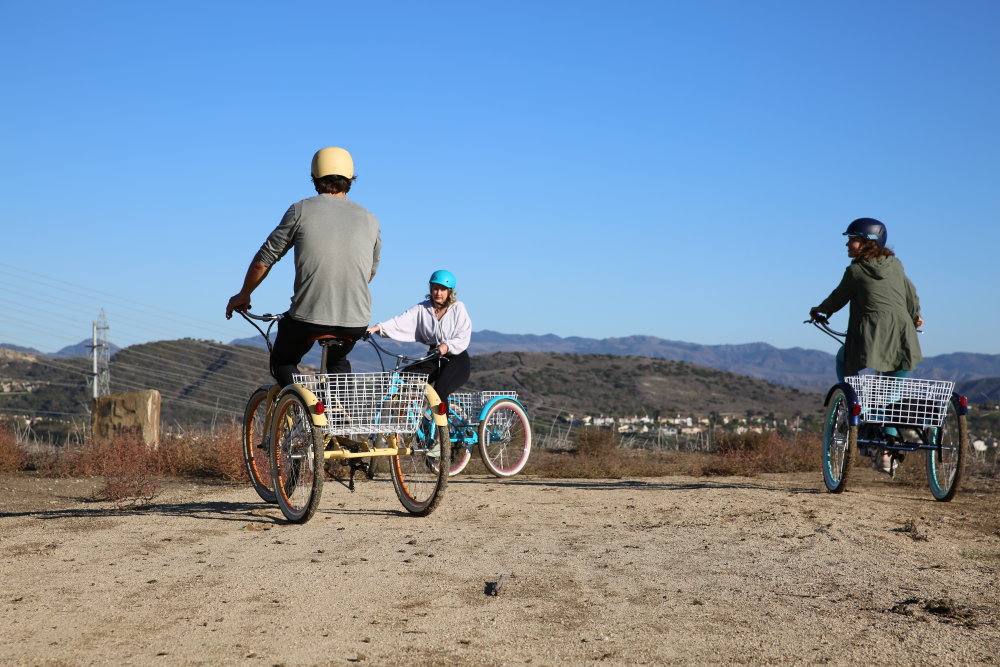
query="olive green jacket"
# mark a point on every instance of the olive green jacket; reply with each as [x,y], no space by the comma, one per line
[881,331]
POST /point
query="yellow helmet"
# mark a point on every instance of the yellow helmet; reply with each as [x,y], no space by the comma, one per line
[332,161]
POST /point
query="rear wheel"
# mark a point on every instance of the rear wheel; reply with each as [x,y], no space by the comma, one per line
[946,462]
[840,441]
[256,437]
[460,454]
[419,477]
[505,438]
[296,459]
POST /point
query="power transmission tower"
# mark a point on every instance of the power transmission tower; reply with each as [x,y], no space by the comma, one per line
[101,352]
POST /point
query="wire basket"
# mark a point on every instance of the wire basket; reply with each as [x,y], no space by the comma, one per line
[368,402]
[902,401]
[469,404]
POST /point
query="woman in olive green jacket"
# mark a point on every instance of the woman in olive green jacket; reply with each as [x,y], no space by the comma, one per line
[885,310]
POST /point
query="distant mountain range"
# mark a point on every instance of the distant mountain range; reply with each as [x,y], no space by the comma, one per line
[806,370]
[81,349]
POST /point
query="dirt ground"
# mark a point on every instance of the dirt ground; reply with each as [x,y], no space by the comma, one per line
[672,570]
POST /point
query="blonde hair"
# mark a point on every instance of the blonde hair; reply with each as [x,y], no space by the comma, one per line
[452,297]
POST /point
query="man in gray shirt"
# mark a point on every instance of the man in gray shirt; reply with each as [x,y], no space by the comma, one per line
[337,249]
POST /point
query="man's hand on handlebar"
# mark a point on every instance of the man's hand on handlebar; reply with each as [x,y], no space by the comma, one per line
[238,302]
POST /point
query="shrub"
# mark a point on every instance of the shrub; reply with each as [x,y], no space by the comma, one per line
[219,453]
[12,457]
[128,466]
[596,442]
[754,453]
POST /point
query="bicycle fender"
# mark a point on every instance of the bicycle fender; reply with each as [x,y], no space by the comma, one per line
[440,420]
[495,400]
[309,399]
[852,400]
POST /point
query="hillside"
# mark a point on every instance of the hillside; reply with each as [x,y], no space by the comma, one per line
[33,385]
[807,370]
[203,382]
[609,384]
[200,381]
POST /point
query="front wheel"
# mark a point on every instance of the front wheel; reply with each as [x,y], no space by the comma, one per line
[505,438]
[840,442]
[256,439]
[419,477]
[946,462]
[296,459]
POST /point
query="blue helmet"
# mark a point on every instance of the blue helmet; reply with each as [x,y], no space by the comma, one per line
[868,228]
[442,277]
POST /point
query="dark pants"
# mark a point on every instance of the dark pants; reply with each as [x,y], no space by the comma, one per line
[445,374]
[295,339]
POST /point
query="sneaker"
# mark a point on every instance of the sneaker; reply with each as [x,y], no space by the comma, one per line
[882,461]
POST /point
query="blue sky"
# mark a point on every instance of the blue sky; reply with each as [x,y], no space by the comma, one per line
[674,169]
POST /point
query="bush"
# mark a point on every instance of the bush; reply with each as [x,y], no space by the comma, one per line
[754,453]
[129,468]
[596,442]
[12,457]
[217,454]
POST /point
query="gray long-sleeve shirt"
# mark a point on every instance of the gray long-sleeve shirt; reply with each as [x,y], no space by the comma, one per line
[337,245]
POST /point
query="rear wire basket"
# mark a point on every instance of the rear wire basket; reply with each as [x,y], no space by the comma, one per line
[469,404]
[903,401]
[368,402]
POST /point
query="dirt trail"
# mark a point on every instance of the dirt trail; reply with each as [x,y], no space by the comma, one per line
[653,571]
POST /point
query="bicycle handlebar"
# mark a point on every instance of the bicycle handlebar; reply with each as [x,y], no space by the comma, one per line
[823,325]
[401,359]
[266,317]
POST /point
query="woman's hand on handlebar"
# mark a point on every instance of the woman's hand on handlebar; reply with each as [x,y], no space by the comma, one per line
[816,316]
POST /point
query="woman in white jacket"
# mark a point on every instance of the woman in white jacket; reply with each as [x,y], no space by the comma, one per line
[441,322]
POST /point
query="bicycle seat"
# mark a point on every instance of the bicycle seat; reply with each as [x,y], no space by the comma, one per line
[332,339]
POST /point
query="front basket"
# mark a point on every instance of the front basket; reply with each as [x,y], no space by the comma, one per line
[368,402]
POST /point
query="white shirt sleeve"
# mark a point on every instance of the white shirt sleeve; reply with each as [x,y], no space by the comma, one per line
[403,327]
[456,328]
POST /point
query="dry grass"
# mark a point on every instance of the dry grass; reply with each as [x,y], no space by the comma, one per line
[598,453]
[131,471]
[751,453]
[12,456]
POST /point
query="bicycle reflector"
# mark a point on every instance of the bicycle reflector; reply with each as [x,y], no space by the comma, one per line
[856,410]
[442,408]
[319,408]
[963,401]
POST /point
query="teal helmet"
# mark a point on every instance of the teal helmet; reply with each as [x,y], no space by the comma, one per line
[442,277]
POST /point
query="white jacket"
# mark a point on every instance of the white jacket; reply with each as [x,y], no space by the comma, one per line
[419,325]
